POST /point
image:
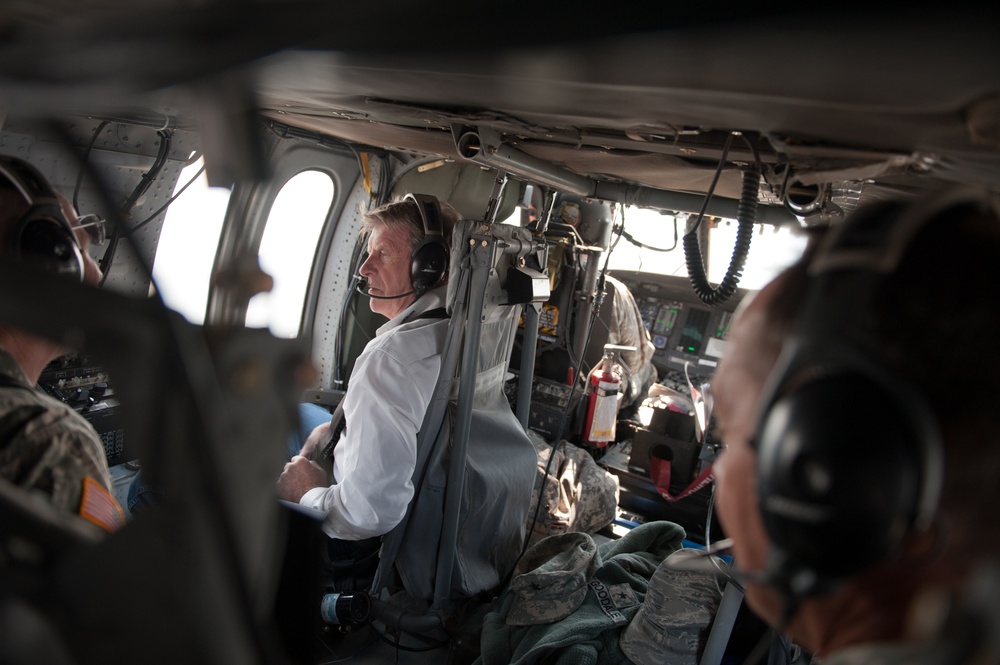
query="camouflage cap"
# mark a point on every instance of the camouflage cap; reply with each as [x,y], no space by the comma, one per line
[669,626]
[550,582]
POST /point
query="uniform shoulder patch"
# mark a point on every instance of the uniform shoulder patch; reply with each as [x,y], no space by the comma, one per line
[99,507]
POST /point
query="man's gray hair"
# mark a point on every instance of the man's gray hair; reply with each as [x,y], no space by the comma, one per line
[404,214]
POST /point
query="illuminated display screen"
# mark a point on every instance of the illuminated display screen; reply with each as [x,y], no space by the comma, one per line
[693,333]
[723,329]
[666,317]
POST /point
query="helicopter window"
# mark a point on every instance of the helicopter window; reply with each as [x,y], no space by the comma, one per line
[186,249]
[771,250]
[287,249]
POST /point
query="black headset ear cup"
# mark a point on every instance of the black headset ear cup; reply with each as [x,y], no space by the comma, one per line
[430,259]
[42,235]
[839,474]
[428,262]
[50,243]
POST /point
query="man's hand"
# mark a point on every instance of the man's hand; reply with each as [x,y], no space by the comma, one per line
[312,447]
[300,476]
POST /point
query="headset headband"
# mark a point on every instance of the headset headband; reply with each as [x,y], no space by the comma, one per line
[879,246]
[430,213]
[28,181]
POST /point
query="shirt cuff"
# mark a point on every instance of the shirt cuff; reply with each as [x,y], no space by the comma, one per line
[313,498]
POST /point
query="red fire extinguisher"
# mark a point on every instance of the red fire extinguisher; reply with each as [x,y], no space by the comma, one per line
[605,383]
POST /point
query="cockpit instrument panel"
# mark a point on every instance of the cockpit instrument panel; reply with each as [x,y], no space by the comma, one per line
[82,384]
[685,331]
[689,339]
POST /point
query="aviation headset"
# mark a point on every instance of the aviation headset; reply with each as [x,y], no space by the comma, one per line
[429,259]
[43,235]
[849,453]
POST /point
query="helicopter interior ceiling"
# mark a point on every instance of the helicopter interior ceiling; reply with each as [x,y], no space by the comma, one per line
[864,98]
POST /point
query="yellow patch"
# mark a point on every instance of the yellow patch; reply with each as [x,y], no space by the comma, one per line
[99,507]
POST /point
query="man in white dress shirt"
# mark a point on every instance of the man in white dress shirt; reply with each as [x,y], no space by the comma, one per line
[390,389]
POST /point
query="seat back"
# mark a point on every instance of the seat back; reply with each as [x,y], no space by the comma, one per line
[475,469]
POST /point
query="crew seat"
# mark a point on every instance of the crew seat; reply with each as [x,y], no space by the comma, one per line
[465,527]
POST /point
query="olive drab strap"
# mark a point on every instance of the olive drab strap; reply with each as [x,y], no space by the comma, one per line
[329,441]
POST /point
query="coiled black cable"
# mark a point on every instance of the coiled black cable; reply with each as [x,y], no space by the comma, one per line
[746,217]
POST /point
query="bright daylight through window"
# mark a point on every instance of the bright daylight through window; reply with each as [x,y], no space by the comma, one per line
[287,251]
[771,249]
[185,253]
[187,248]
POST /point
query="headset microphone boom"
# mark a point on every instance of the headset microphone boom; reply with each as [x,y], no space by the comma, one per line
[362,289]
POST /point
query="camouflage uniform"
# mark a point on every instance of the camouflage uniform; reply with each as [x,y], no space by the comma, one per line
[579,495]
[580,611]
[671,626]
[49,449]
[629,330]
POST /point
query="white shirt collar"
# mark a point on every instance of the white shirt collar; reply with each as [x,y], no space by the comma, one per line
[432,299]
